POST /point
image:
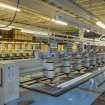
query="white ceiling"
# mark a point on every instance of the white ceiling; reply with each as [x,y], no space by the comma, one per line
[36,13]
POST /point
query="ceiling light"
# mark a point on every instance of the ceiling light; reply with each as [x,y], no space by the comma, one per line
[87,30]
[9,7]
[5,28]
[100,24]
[59,22]
[34,32]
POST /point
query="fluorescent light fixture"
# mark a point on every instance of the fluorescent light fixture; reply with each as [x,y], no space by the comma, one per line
[59,22]
[100,24]
[34,32]
[87,30]
[9,7]
[5,28]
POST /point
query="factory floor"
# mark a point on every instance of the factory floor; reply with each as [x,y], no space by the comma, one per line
[75,96]
[100,100]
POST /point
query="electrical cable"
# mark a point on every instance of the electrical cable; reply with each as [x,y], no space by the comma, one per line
[15,14]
